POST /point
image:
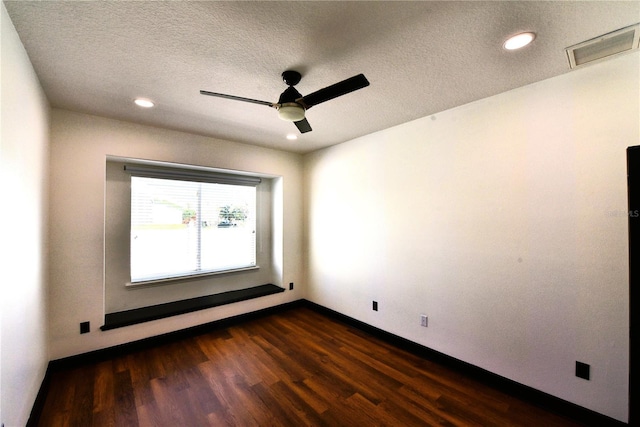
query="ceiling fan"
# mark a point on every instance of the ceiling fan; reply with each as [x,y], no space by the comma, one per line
[292,105]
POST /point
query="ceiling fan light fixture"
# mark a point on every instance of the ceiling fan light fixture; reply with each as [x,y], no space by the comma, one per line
[519,41]
[291,112]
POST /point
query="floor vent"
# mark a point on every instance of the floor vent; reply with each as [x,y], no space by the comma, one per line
[605,46]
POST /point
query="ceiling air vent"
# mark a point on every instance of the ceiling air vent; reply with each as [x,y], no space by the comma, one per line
[605,46]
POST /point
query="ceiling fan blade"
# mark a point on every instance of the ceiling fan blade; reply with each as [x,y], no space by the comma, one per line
[303,126]
[334,91]
[238,98]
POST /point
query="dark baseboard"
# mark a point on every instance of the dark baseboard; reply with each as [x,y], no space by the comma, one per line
[134,346]
[531,395]
[38,405]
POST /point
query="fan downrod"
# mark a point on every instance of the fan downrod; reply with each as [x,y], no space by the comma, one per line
[291,77]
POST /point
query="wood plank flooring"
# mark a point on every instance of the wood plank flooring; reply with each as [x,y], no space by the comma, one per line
[294,368]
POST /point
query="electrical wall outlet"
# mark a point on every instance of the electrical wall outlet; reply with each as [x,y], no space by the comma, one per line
[424,320]
[583,370]
[375,306]
[291,286]
[84,327]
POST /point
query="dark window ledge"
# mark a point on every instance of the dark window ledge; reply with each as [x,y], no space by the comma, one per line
[160,311]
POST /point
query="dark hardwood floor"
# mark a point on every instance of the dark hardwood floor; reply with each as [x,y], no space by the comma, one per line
[294,368]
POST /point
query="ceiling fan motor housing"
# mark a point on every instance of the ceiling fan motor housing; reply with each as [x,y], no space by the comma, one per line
[289,109]
[289,95]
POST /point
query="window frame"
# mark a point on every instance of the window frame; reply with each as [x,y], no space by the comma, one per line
[202,176]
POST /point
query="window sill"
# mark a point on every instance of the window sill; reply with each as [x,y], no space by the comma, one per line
[155,312]
[174,279]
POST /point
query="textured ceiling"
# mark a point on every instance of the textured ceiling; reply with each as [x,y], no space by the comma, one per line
[421,57]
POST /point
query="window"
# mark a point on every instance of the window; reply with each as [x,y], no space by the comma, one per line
[189,223]
[198,236]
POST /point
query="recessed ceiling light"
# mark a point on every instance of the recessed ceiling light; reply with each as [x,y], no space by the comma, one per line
[292,137]
[519,41]
[144,103]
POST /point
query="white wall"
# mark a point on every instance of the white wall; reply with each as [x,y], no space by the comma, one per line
[23,218]
[80,145]
[503,221]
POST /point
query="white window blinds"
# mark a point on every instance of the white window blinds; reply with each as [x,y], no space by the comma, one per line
[190,222]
